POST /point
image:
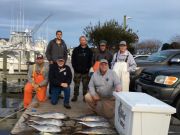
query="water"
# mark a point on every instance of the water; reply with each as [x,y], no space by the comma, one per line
[9,103]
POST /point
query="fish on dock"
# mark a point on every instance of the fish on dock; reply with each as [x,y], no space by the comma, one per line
[46,128]
[48,122]
[97,131]
[90,118]
[95,124]
[50,115]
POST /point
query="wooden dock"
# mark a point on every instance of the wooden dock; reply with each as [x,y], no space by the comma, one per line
[79,108]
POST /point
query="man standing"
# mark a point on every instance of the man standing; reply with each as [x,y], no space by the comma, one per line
[37,80]
[123,64]
[60,78]
[101,86]
[81,63]
[103,53]
[56,48]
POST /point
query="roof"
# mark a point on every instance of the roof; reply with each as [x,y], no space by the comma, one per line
[6,39]
[171,50]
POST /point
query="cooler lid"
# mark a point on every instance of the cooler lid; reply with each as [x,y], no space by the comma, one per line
[142,102]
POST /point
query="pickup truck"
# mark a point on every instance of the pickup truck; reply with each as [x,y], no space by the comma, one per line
[159,59]
[162,81]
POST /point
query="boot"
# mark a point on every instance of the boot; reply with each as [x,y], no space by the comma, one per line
[67,106]
[74,99]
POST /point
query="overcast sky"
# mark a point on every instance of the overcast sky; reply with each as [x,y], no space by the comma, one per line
[155,19]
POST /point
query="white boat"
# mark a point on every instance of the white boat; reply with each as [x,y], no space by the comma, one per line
[21,50]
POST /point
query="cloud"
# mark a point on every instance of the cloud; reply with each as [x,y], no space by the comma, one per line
[155,18]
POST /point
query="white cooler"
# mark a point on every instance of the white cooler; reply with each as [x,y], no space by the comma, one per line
[141,114]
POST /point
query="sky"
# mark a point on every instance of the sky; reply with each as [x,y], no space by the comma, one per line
[151,19]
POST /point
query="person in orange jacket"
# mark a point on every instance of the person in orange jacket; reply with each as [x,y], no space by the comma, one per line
[37,80]
[103,53]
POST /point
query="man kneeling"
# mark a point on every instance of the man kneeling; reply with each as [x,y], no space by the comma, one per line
[60,77]
[37,80]
[101,86]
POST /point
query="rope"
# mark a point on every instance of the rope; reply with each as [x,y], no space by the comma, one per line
[11,114]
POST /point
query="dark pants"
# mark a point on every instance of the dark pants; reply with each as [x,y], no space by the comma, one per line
[56,91]
[85,81]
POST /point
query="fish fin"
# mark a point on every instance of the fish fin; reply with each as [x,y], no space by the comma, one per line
[26,118]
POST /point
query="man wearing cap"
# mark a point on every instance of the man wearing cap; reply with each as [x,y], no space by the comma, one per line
[37,80]
[60,77]
[101,86]
[123,64]
[103,53]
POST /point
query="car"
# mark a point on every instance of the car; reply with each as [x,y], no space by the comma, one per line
[140,57]
[158,59]
[162,82]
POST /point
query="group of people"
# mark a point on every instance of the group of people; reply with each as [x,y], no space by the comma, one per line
[108,73]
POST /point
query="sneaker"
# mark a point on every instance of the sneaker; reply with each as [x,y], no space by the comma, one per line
[67,106]
[74,99]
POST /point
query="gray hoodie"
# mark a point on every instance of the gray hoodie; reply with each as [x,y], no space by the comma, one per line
[104,85]
[54,50]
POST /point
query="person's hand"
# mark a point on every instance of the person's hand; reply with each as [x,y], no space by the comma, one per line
[36,86]
[50,62]
[118,88]
[65,85]
[96,98]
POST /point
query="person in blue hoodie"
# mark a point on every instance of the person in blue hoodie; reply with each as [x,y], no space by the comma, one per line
[60,77]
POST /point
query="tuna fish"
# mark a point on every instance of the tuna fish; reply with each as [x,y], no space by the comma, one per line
[97,131]
[46,128]
[90,118]
[48,122]
[50,115]
[95,124]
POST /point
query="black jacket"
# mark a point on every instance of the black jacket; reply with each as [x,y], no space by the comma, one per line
[54,51]
[82,59]
[59,75]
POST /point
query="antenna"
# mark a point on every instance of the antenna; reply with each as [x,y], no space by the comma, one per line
[17,27]
[23,15]
[36,28]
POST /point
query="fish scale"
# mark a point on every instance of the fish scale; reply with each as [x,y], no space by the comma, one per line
[48,121]
[95,124]
[97,131]
[46,128]
[91,118]
[50,115]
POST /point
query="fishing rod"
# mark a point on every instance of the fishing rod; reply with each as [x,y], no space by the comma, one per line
[12,114]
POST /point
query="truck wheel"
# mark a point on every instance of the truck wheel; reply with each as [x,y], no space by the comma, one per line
[178,109]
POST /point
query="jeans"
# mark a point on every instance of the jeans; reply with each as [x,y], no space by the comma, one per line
[56,91]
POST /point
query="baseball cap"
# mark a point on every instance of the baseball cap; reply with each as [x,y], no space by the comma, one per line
[103,42]
[39,56]
[103,61]
[123,43]
[60,59]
